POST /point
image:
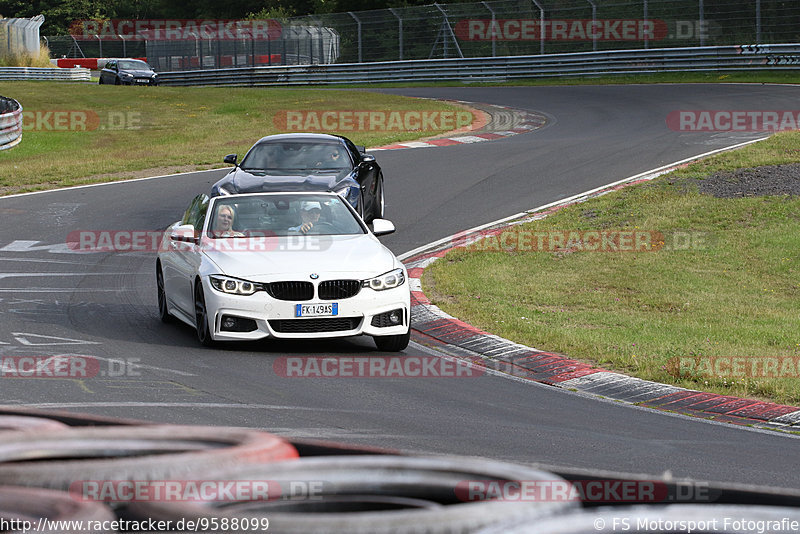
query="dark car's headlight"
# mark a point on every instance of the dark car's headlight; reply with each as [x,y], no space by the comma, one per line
[388,280]
[349,192]
[126,74]
[233,286]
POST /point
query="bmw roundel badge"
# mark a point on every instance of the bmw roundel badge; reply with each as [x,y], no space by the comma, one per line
[314,276]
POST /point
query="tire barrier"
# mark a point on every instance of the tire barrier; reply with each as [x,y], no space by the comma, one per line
[673,518]
[33,504]
[10,123]
[69,418]
[60,459]
[16,423]
[366,494]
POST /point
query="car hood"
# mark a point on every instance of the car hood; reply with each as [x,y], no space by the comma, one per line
[257,181]
[268,259]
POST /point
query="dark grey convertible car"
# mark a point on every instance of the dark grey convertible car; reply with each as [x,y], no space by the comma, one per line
[308,162]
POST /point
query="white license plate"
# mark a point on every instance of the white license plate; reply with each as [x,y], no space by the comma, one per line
[316,310]
[142,81]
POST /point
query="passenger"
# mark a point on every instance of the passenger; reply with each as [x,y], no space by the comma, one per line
[223,224]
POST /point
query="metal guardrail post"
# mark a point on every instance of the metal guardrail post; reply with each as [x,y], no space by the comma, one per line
[758,21]
[702,20]
[400,32]
[494,39]
[541,26]
[358,21]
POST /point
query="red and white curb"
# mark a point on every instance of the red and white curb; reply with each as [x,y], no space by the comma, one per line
[433,326]
[504,122]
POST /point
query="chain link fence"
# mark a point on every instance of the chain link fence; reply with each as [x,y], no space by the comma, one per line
[478,29]
[18,36]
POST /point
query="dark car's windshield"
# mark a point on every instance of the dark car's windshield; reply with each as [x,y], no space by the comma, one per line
[133,64]
[258,216]
[294,155]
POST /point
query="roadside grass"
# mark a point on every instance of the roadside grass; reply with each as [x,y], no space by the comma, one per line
[22,58]
[780,76]
[105,133]
[725,283]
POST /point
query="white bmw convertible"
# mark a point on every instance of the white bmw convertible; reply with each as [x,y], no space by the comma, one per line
[283,265]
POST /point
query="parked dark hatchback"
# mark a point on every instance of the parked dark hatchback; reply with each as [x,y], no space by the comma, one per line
[128,72]
[308,162]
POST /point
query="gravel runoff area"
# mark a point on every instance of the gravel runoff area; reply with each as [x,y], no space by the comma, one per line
[758,181]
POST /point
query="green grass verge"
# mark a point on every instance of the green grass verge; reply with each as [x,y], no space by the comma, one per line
[97,133]
[723,283]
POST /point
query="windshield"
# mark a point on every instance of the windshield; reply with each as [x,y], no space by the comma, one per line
[281,215]
[133,64]
[294,155]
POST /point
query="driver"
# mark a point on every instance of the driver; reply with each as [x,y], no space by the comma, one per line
[310,210]
[223,223]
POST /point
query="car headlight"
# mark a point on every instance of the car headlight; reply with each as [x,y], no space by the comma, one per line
[233,286]
[126,75]
[348,192]
[388,280]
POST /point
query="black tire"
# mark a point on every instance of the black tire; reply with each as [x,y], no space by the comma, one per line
[59,459]
[394,343]
[379,207]
[201,316]
[371,494]
[101,81]
[163,310]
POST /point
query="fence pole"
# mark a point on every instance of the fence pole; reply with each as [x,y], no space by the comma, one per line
[702,24]
[594,23]
[644,16]
[494,40]
[758,21]
[360,60]
[400,32]
[541,26]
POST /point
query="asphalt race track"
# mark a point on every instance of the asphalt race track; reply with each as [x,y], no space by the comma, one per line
[104,305]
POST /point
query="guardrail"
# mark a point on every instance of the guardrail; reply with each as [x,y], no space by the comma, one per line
[716,58]
[10,123]
[44,73]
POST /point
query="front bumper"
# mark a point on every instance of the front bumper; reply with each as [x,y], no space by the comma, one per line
[270,317]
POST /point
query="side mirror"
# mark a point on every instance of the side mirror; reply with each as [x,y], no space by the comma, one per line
[367,158]
[183,233]
[382,227]
[230,158]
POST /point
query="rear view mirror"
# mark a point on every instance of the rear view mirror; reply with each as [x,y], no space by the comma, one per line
[230,158]
[382,227]
[184,233]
